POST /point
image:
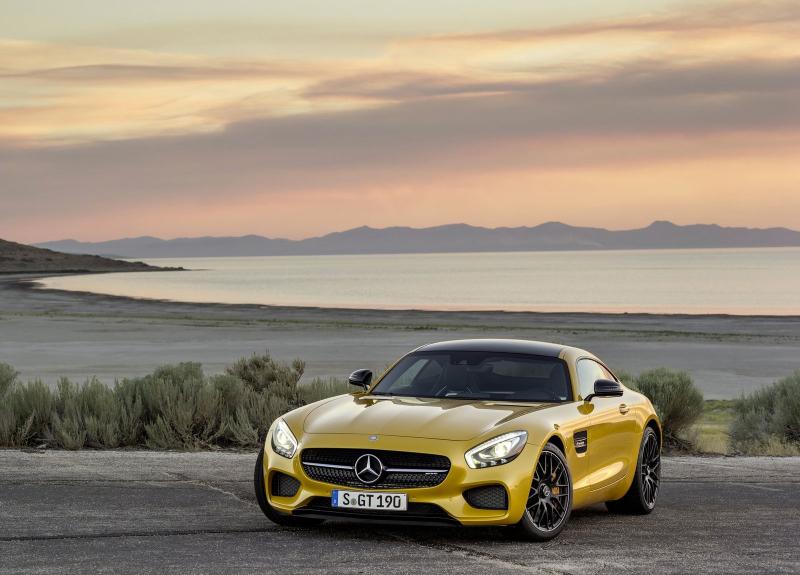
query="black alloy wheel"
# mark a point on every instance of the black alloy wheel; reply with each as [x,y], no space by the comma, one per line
[549,501]
[643,493]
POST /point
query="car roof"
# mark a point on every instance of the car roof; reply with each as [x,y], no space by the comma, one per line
[541,348]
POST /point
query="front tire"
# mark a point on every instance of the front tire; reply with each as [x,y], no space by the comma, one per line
[549,502]
[273,514]
[641,497]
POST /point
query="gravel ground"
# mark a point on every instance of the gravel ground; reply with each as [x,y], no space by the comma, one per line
[145,512]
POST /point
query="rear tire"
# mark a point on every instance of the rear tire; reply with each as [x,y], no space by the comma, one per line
[273,514]
[641,497]
[549,503]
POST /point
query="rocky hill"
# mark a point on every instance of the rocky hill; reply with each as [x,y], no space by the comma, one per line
[20,258]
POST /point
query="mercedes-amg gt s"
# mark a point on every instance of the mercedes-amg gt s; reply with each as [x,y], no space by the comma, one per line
[471,432]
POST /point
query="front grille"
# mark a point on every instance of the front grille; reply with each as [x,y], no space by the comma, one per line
[487,497]
[402,470]
[284,485]
[415,513]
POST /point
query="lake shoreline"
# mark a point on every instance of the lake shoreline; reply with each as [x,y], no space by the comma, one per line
[48,333]
[32,281]
[714,283]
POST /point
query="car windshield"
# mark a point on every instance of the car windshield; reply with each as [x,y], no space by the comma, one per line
[478,375]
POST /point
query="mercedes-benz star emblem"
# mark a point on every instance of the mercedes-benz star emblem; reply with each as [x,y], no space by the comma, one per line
[368,468]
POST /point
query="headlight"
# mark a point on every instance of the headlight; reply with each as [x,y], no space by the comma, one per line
[497,451]
[283,441]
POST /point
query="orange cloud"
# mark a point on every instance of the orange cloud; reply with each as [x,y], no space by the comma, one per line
[690,115]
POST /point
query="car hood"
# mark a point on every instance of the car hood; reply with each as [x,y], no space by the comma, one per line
[430,418]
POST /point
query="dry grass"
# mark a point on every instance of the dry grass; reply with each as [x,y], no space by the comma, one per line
[711,432]
[772,446]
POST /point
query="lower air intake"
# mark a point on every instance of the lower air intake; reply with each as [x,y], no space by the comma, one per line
[284,485]
[487,497]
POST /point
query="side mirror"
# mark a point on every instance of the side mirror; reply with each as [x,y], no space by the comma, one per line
[361,378]
[605,388]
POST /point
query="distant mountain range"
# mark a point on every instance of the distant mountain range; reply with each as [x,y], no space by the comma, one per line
[450,238]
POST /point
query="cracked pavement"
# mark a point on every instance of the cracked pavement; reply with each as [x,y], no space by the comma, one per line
[152,512]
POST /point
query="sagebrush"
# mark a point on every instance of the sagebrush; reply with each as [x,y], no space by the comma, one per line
[769,417]
[675,398]
[175,407]
[180,407]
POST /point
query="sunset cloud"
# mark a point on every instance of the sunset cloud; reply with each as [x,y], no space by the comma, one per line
[693,96]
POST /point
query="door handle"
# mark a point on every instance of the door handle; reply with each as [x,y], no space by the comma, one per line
[623,409]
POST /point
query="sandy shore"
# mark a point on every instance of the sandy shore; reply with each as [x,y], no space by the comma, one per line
[48,333]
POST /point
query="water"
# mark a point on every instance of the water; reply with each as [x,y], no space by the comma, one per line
[742,281]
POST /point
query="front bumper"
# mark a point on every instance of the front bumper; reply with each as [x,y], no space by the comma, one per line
[313,497]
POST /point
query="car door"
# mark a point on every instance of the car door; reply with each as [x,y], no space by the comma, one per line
[611,429]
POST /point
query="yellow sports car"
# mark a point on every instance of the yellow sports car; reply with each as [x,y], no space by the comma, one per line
[470,432]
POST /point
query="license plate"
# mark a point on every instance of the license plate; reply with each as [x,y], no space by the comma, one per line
[369,500]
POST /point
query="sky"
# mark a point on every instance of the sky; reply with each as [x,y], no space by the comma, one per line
[298,118]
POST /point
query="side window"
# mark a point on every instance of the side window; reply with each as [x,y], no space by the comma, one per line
[590,371]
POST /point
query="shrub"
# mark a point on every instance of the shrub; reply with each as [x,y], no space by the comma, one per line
[25,410]
[245,413]
[86,415]
[769,416]
[626,378]
[35,401]
[263,374]
[180,407]
[8,415]
[8,376]
[175,407]
[130,411]
[68,429]
[676,400]
[319,388]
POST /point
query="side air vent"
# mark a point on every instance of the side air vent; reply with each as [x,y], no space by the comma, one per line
[284,485]
[487,497]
